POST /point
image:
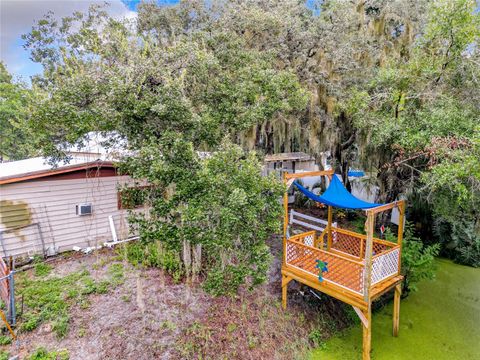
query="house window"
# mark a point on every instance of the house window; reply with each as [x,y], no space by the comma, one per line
[133,197]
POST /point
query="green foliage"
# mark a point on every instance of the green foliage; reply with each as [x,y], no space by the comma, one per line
[418,119]
[15,142]
[221,203]
[43,354]
[5,340]
[154,254]
[204,86]
[391,86]
[418,260]
[42,269]
[316,338]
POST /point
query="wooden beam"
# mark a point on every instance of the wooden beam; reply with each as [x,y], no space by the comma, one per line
[367,333]
[385,207]
[289,183]
[362,317]
[309,173]
[327,288]
[384,286]
[396,308]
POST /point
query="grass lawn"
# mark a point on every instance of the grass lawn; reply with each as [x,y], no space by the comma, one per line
[440,321]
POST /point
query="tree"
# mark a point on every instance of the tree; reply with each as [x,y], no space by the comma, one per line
[15,142]
[172,97]
[420,118]
[391,86]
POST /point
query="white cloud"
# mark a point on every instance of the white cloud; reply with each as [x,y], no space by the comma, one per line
[18,16]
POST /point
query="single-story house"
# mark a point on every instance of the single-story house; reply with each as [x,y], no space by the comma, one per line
[46,210]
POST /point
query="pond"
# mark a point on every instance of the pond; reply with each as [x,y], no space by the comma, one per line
[439,321]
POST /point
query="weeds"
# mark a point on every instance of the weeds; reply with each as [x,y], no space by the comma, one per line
[43,354]
[5,340]
[153,254]
[42,269]
[49,300]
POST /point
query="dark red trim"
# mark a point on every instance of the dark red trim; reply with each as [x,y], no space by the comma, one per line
[82,171]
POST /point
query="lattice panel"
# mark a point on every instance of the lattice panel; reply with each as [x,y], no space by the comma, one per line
[308,240]
[385,265]
[340,271]
[346,243]
[353,245]
[379,247]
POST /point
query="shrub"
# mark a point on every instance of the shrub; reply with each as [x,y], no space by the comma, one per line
[418,260]
[208,215]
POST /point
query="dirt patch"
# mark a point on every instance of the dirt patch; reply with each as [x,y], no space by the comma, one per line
[149,316]
[139,319]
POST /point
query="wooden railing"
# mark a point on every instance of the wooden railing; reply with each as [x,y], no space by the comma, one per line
[353,244]
[345,259]
[342,271]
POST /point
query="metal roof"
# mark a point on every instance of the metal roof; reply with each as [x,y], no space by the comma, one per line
[21,170]
[292,156]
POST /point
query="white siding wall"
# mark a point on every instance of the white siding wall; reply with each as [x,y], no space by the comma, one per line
[52,206]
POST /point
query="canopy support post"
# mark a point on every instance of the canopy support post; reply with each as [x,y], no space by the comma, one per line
[401,218]
[330,216]
[368,256]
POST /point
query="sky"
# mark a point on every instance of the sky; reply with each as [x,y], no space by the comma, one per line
[18,16]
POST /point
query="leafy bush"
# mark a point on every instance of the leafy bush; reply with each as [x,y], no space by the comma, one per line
[460,240]
[417,259]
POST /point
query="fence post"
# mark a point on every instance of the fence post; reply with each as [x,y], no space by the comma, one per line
[12,316]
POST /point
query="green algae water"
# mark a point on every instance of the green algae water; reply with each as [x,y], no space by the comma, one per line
[441,321]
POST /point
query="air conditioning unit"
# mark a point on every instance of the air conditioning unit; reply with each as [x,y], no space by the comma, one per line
[84,209]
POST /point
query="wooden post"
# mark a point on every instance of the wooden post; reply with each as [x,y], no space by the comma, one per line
[396,309]
[367,333]
[285,206]
[285,281]
[285,219]
[368,256]
[401,216]
[329,234]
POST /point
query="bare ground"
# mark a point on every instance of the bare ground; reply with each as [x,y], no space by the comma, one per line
[151,317]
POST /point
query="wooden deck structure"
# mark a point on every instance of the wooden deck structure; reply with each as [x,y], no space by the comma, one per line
[361,268]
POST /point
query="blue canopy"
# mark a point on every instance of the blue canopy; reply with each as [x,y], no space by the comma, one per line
[336,195]
[356,173]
